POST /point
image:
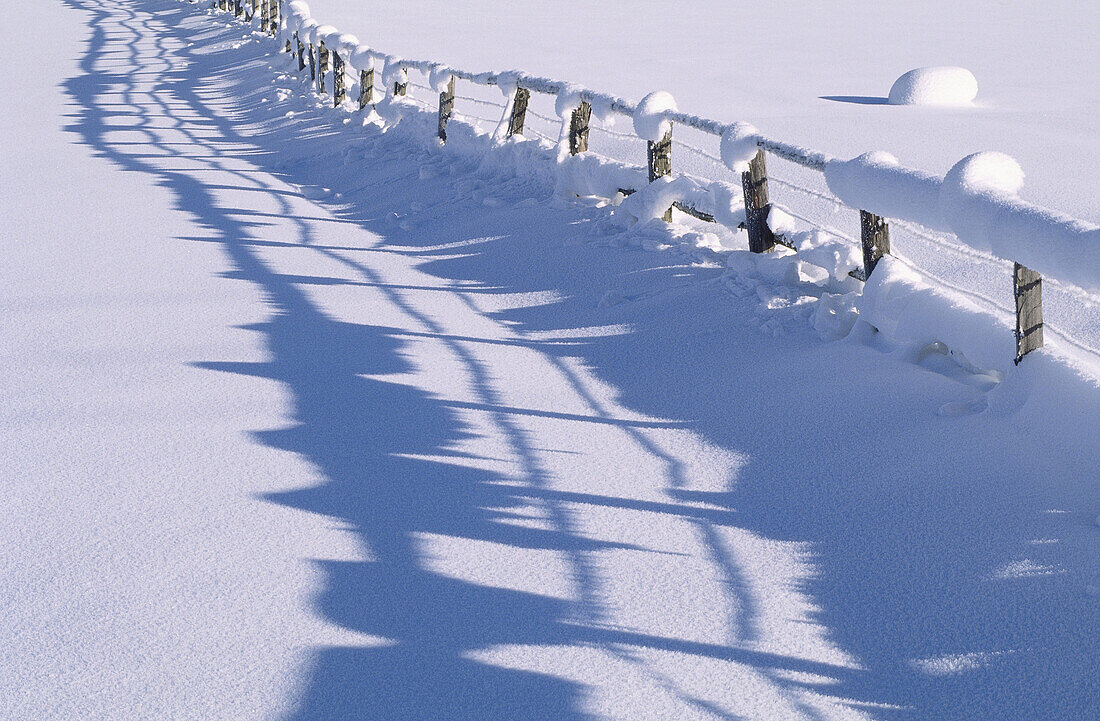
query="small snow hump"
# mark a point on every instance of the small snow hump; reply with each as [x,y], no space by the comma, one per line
[944,85]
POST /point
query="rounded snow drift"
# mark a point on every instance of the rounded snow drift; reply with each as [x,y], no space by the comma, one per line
[738,146]
[944,85]
[988,172]
[650,122]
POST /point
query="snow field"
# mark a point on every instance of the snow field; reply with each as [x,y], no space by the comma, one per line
[979,211]
[501,455]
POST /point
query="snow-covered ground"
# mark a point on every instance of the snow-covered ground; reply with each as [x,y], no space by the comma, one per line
[776,64]
[303,419]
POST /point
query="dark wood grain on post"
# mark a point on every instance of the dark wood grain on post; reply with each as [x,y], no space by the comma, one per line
[519,111]
[754,183]
[339,91]
[301,53]
[1028,289]
[322,67]
[265,15]
[366,87]
[578,128]
[874,235]
[659,156]
[659,160]
[446,107]
[400,89]
[273,18]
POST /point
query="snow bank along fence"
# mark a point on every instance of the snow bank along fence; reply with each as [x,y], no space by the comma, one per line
[977,200]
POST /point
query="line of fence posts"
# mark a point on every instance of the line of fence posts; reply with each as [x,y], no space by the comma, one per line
[874,230]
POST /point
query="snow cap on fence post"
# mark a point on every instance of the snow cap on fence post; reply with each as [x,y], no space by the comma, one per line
[651,116]
[738,146]
[651,123]
[395,76]
[985,176]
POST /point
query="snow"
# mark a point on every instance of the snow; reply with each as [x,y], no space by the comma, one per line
[819,81]
[650,118]
[978,202]
[738,146]
[362,58]
[899,303]
[440,77]
[308,416]
[568,99]
[345,44]
[945,86]
[875,182]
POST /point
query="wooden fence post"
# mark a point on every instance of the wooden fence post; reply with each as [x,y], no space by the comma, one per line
[273,18]
[578,128]
[1028,289]
[265,15]
[400,89]
[312,65]
[874,235]
[659,160]
[322,67]
[238,9]
[754,183]
[446,106]
[339,92]
[366,87]
[519,111]
[301,52]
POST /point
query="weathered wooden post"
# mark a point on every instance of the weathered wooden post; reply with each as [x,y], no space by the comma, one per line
[754,183]
[578,128]
[273,18]
[1028,289]
[265,15]
[366,87]
[874,235]
[322,67]
[659,160]
[339,93]
[519,111]
[446,107]
[312,65]
[399,88]
[238,9]
[301,52]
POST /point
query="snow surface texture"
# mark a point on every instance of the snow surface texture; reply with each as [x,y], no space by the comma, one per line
[818,78]
[317,419]
[949,86]
[980,206]
[977,202]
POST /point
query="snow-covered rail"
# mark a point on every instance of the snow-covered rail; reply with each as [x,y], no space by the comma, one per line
[977,200]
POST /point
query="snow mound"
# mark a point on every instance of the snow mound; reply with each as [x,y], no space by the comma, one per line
[345,44]
[650,121]
[739,146]
[440,77]
[322,33]
[943,85]
[989,173]
[568,100]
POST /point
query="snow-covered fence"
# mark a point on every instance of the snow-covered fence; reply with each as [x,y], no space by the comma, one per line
[977,201]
